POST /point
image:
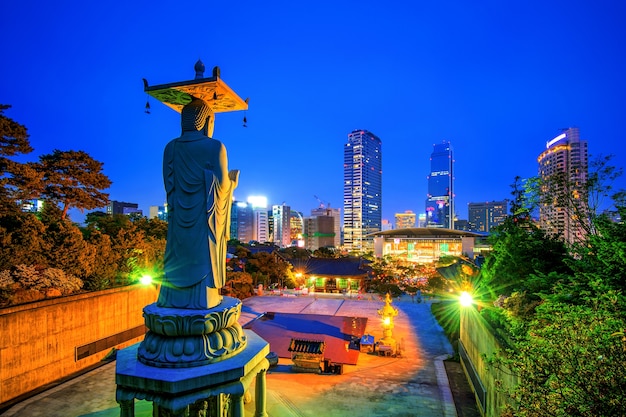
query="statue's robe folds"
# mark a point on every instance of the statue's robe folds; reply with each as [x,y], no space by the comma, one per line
[198,222]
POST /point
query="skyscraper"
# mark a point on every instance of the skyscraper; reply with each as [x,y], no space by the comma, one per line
[563,170]
[362,189]
[282,228]
[440,200]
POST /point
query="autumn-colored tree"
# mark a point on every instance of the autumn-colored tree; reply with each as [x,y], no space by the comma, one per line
[239,285]
[73,179]
[21,240]
[16,179]
[104,273]
[269,266]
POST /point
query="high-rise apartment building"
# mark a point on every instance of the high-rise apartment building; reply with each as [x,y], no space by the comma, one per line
[405,220]
[485,216]
[362,189]
[440,199]
[563,168]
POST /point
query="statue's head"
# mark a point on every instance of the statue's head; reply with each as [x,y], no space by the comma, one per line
[197,116]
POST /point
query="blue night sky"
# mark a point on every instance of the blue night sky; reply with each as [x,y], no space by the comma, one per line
[497,79]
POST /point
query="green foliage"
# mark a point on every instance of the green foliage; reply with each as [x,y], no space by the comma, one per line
[573,361]
[518,251]
[326,252]
[273,269]
[562,309]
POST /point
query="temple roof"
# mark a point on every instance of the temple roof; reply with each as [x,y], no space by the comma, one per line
[307,346]
[348,267]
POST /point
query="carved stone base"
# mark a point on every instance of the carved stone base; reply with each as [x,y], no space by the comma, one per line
[181,338]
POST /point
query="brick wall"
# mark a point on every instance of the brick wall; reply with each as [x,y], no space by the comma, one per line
[48,340]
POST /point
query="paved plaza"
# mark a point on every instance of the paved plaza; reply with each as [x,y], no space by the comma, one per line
[414,384]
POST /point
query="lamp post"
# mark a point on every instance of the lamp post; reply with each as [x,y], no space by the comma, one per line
[387,313]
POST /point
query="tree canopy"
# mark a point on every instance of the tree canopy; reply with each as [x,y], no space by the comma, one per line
[563,307]
[73,179]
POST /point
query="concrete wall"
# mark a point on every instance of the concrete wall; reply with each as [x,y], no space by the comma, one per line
[479,343]
[48,340]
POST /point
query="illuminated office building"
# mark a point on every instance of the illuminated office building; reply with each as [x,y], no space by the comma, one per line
[362,189]
[485,216]
[405,220]
[440,199]
[281,215]
[335,213]
[565,156]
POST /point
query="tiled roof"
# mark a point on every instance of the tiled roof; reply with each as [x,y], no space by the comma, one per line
[348,267]
[307,346]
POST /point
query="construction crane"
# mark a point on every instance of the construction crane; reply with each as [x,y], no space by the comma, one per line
[322,205]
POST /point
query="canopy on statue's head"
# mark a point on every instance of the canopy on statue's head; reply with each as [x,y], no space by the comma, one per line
[212,90]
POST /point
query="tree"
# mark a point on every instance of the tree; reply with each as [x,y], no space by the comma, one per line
[22,240]
[73,179]
[572,362]
[14,176]
[520,249]
[270,266]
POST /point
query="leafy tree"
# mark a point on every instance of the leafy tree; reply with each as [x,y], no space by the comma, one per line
[521,250]
[270,266]
[154,228]
[73,179]
[21,240]
[573,361]
[14,141]
[325,252]
[104,272]
[239,285]
[71,252]
[294,252]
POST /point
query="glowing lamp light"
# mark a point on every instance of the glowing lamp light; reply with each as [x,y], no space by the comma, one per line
[387,321]
[145,280]
[465,299]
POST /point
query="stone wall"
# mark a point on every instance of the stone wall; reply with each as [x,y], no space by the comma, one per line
[477,342]
[48,340]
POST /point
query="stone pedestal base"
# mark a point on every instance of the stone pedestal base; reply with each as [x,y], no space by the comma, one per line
[194,391]
[179,338]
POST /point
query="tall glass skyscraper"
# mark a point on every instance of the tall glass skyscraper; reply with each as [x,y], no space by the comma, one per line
[440,200]
[362,189]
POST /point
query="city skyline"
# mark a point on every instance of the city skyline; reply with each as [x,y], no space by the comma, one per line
[496,80]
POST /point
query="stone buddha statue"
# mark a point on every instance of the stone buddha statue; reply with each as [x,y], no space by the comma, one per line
[199,190]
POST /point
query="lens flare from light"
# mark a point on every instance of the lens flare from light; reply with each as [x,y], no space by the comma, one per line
[465,299]
[145,280]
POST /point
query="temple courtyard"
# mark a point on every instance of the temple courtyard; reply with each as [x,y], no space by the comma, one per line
[413,383]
